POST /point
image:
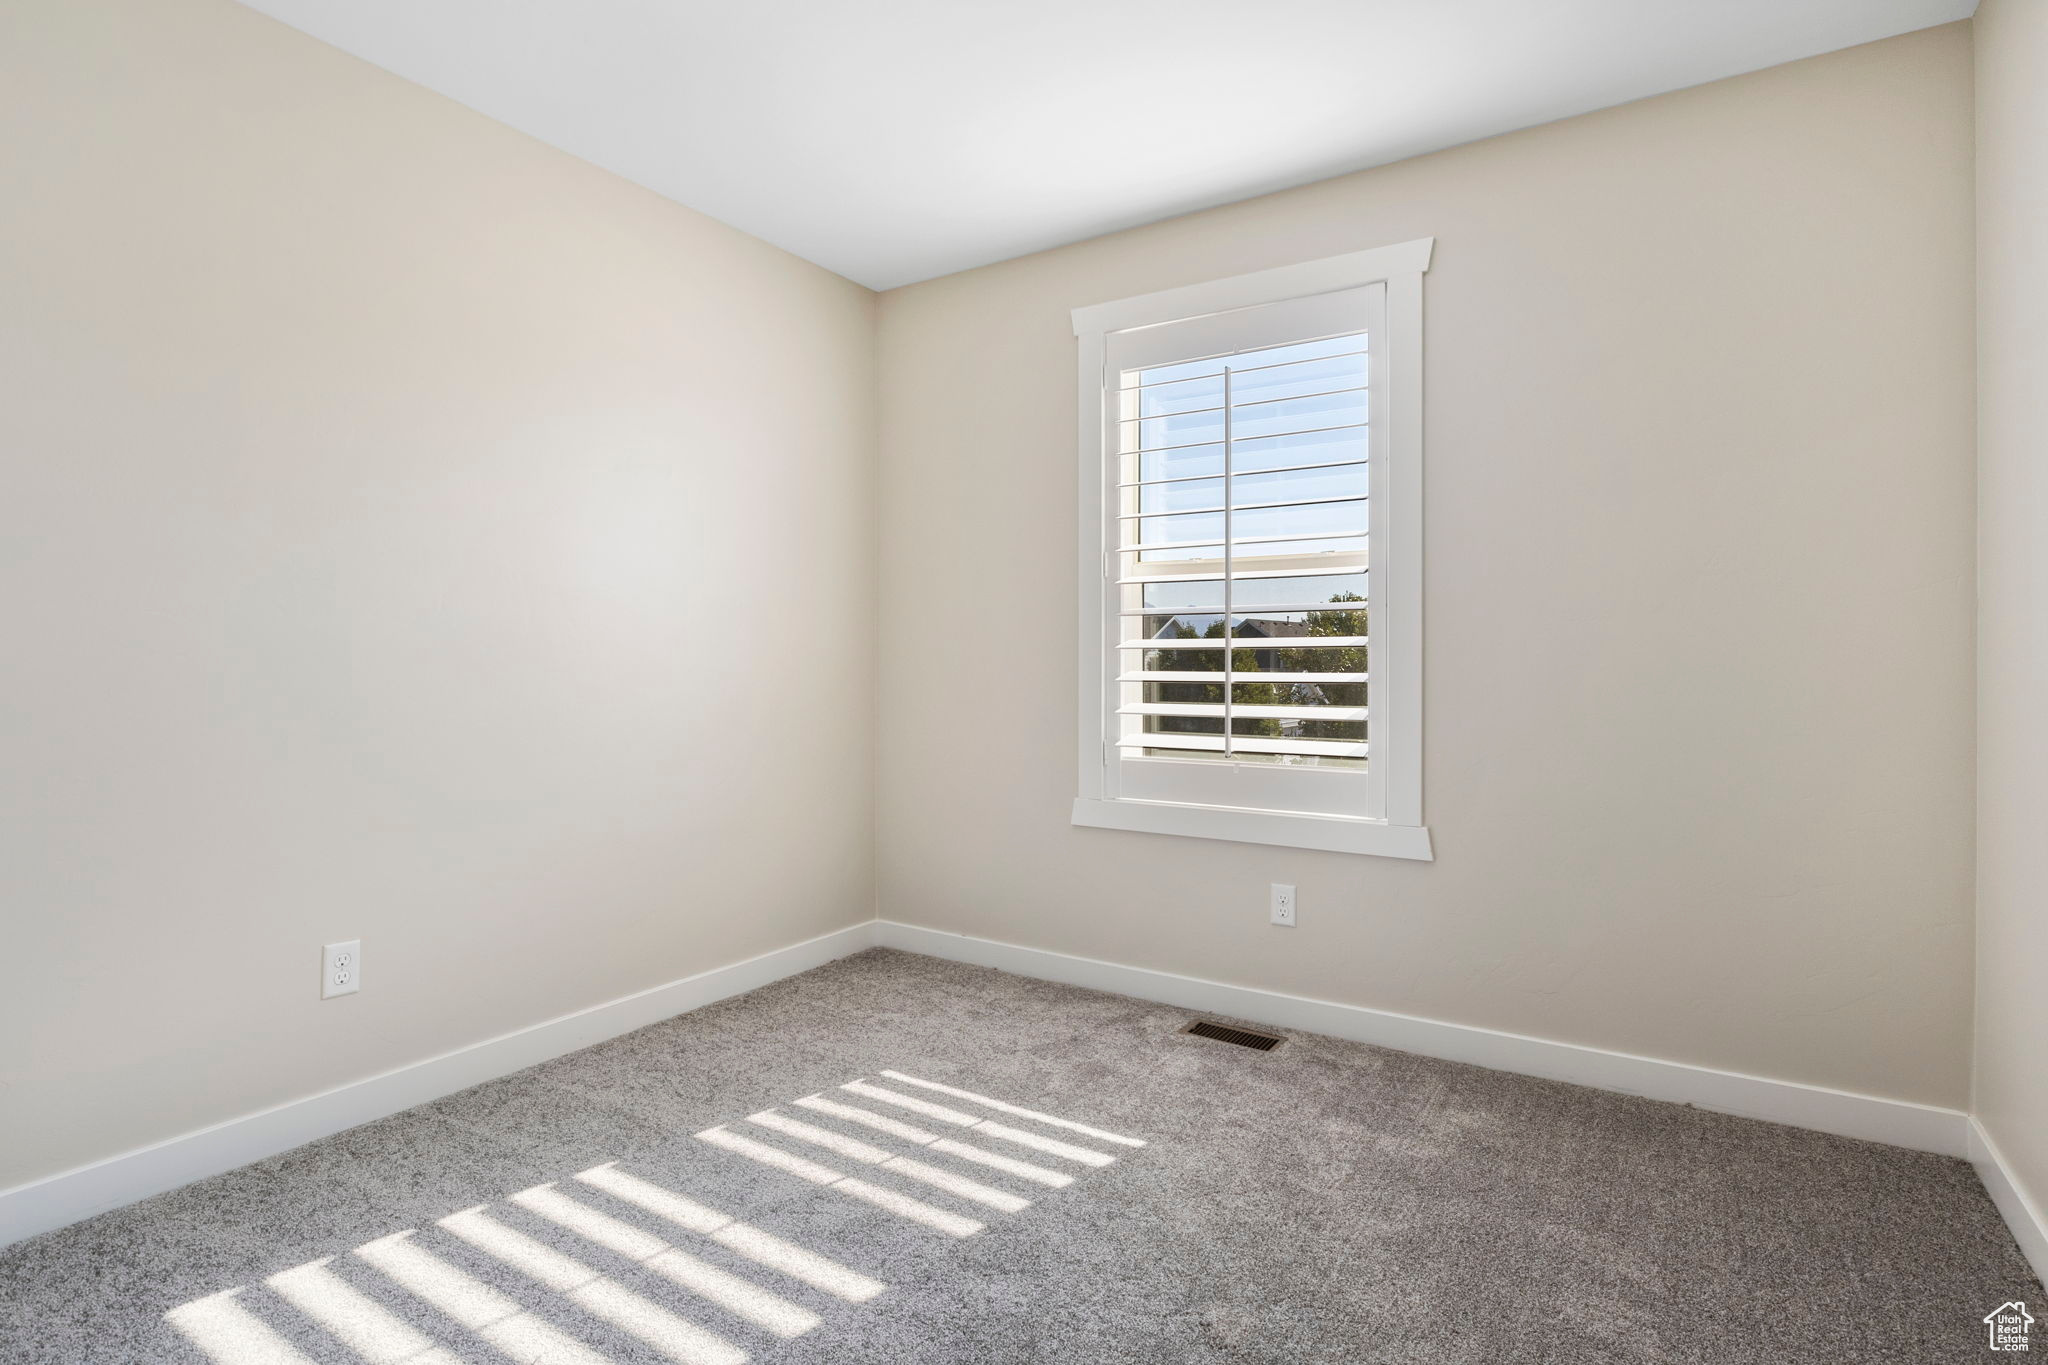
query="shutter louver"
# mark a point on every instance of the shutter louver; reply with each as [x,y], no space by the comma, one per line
[1242,577]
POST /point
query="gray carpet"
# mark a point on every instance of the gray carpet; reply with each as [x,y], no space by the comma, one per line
[1324,1202]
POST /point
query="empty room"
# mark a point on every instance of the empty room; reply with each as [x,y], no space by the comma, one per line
[902,682]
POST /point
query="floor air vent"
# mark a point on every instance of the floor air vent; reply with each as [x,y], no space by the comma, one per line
[1223,1033]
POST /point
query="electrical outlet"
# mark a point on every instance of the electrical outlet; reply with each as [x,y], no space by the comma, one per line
[341,969]
[1283,904]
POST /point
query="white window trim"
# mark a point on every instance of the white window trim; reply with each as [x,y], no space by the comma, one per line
[1397,596]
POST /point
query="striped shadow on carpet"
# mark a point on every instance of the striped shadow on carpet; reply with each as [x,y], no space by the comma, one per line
[444,1314]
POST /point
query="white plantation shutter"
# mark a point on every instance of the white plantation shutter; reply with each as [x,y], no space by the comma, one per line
[1244,469]
[1240,552]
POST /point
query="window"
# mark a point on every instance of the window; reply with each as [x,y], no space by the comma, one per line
[1251,579]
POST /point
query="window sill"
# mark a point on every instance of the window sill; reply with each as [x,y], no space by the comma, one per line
[1331,833]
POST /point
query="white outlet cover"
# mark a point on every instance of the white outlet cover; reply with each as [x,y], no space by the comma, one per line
[341,968]
[1283,904]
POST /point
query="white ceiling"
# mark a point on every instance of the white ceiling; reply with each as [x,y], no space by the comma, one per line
[896,140]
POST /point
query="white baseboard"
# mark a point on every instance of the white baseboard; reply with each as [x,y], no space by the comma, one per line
[2029,1225]
[68,1196]
[75,1194]
[1898,1122]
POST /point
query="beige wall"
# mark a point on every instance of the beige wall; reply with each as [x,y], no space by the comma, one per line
[372,478]
[372,482]
[1699,458]
[2012,567]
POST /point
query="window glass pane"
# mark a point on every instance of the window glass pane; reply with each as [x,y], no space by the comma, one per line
[1254,378]
[1157,399]
[1182,429]
[1300,589]
[1174,497]
[1284,655]
[1289,414]
[1202,592]
[1252,624]
[1162,402]
[1347,731]
[1192,462]
[1333,481]
[1317,519]
[1180,626]
[1207,526]
[1193,554]
[1300,350]
[1249,555]
[1179,660]
[1275,452]
[1289,626]
[1337,670]
[1332,587]
[1247,690]
[1201,693]
[1186,369]
[1183,725]
[1292,353]
[1288,381]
